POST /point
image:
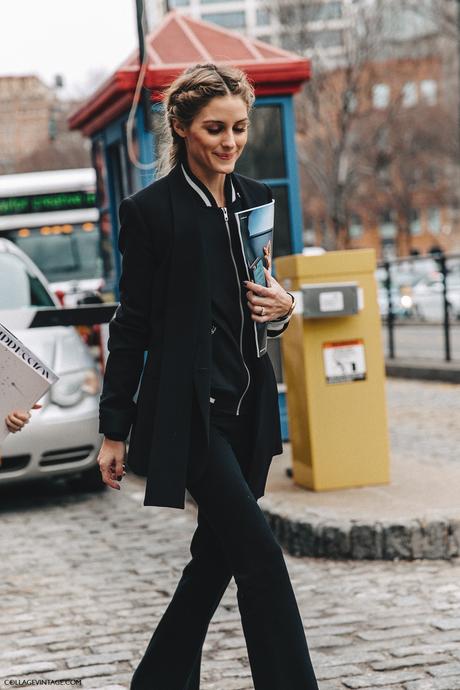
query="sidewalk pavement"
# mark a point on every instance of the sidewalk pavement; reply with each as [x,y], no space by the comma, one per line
[417,515]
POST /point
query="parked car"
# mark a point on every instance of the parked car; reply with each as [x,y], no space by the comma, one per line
[62,438]
[72,292]
[427,296]
[401,288]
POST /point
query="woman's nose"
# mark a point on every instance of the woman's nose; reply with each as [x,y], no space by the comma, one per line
[228,140]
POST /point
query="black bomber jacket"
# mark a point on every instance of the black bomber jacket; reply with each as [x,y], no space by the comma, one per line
[232,331]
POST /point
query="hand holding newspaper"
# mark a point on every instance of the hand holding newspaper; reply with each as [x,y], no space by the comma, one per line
[24,378]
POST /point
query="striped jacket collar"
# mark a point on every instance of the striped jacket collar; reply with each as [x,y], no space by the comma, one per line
[203,192]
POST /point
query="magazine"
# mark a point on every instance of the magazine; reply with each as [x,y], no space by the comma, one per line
[24,379]
[255,226]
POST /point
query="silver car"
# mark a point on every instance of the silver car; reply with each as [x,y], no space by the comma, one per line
[428,298]
[61,438]
[401,301]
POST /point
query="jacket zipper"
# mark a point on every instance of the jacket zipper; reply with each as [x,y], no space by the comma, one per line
[224,211]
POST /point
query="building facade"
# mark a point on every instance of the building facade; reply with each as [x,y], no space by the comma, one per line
[34,135]
[26,106]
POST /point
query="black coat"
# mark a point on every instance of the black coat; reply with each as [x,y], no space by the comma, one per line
[165,309]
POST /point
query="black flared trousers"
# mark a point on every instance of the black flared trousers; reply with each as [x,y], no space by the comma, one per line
[232,538]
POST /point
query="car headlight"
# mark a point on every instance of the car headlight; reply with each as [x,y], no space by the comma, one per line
[71,388]
[406,301]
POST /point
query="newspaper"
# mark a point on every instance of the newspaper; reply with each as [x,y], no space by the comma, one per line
[255,227]
[24,379]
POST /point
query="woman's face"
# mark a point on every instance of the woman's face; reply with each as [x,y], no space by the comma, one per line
[216,137]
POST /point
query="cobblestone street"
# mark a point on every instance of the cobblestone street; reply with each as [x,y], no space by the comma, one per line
[85,578]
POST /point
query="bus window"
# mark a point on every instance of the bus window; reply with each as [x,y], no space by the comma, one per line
[63,253]
[52,216]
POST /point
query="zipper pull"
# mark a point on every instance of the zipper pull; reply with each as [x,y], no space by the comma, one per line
[224,211]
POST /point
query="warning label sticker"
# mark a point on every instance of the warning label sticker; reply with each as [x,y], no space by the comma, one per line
[344,361]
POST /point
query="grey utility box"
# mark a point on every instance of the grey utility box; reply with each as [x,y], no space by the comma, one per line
[326,300]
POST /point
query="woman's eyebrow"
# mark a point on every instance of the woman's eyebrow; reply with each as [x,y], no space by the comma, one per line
[221,122]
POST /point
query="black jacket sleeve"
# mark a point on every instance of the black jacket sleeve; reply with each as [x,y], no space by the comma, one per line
[129,329]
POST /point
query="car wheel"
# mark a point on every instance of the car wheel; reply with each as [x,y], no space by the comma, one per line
[89,480]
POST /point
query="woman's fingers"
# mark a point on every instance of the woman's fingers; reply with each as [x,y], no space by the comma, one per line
[255,307]
[12,426]
[13,420]
[257,289]
[20,415]
[110,460]
[255,300]
[16,420]
[107,473]
[274,299]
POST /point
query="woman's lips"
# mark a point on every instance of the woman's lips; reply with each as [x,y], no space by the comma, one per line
[225,156]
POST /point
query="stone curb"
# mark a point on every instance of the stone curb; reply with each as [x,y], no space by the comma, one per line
[353,539]
[446,372]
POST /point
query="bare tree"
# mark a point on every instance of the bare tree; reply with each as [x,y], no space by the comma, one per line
[411,162]
[331,108]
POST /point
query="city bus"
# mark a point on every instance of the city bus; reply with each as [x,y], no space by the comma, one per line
[52,216]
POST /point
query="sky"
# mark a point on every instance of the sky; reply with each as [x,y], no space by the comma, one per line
[83,40]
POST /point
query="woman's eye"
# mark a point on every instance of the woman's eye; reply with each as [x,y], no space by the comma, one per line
[218,130]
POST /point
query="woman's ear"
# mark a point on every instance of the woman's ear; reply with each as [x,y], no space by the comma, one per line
[179,127]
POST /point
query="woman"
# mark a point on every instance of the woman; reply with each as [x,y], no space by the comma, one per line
[206,417]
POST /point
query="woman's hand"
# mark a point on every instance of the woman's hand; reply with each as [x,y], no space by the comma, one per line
[17,419]
[110,460]
[267,303]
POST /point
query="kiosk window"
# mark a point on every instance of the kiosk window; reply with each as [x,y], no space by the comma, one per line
[263,156]
[282,244]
